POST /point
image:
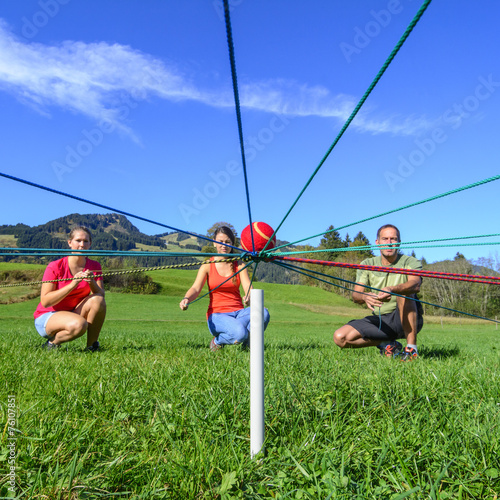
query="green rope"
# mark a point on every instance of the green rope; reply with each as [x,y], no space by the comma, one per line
[360,104]
[432,198]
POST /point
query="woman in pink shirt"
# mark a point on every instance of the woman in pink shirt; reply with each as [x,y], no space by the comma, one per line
[69,309]
[228,321]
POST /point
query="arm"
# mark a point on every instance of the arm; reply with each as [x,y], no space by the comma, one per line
[373,299]
[411,287]
[50,296]
[196,288]
[96,286]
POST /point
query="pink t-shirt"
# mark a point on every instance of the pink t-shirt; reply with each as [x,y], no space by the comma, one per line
[59,269]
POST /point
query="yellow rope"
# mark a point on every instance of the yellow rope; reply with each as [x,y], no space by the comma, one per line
[130,271]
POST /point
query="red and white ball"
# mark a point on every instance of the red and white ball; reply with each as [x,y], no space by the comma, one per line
[262,233]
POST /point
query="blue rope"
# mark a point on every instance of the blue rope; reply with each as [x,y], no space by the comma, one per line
[100,205]
[238,111]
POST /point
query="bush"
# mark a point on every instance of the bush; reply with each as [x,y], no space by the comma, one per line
[131,283]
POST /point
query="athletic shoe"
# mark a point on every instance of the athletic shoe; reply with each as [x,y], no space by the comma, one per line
[391,350]
[94,347]
[409,354]
[213,346]
[49,345]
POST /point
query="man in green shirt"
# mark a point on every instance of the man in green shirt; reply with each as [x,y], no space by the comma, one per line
[393,317]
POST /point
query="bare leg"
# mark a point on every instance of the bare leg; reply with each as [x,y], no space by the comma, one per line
[65,326]
[408,315]
[347,337]
[93,309]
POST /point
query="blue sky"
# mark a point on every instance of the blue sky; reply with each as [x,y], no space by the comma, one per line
[130,104]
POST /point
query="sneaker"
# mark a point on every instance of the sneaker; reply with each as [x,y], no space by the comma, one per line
[94,347]
[391,350]
[214,346]
[49,345]
[409,354]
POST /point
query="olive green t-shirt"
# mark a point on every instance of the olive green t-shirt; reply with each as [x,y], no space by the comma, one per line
[377,279]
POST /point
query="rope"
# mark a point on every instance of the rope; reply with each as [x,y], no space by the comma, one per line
[432,198]
[220,284]
[401,246]
[129,271]
[377,78]
[41,252]
[490,280]
[237,107]
[100,205]
[300,271]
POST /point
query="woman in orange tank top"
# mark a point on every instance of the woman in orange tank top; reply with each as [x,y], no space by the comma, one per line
[228,320]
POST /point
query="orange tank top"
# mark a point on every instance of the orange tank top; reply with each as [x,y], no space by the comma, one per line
[227,297]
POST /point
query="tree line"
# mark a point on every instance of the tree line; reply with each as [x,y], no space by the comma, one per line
[115,232]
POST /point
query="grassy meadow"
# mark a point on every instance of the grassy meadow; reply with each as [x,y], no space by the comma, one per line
[156,414]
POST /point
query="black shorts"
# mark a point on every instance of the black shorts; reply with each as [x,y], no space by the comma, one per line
[383,327]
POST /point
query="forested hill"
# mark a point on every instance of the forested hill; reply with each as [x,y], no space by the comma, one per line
[109,231]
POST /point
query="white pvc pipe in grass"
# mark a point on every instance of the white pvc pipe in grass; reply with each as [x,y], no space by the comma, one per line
[256,371]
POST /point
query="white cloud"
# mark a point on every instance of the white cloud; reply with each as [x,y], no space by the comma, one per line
[92,78]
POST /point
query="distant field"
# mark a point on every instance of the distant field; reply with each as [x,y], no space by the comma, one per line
[7,241]
[155,414]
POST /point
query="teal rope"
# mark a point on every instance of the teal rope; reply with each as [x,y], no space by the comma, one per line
[378,247]
[360,104]
[44,252]
[432,198]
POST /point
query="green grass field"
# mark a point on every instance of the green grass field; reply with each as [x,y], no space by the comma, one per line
[156,414]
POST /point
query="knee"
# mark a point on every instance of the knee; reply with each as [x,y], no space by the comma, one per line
[240,335]
[77,327]
[339,337]
[97,303]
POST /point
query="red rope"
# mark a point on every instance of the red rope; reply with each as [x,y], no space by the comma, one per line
[489,280]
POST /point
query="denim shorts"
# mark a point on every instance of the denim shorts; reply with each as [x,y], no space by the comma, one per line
[41,323]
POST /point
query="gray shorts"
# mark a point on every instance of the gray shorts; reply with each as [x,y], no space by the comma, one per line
[383,327]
